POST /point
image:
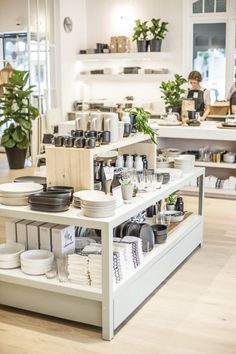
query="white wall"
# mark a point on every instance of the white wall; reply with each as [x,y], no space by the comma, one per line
[97,20]
[11,13]
[69,45]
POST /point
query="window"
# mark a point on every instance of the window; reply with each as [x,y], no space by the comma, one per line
[208,6]
[209,56]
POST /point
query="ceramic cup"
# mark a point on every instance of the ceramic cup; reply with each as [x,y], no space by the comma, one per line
[79,142]
[127,191]
[90,143]
[105,137]
[58,141]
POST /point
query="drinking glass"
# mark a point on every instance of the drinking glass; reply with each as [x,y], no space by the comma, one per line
[158,180]
[62,269]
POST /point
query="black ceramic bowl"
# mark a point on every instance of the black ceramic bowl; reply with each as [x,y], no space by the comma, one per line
[50,197]
[66,189]
[160,233]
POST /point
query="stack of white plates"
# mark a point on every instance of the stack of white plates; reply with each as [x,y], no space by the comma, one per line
[77,196]
[98,205]
[18,193]
[36,262]
[10,255]
[185,162]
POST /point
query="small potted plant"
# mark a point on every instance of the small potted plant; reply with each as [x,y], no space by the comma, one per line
[127,188]
[140,35]
[139,120]
[170,201]
[158,30]
[17,113]
[173,93]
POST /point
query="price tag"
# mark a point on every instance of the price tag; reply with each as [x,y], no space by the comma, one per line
[195,95]
[118,196]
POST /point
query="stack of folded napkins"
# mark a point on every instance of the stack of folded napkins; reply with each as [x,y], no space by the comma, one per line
[137,252]
[95,270]
[78,269]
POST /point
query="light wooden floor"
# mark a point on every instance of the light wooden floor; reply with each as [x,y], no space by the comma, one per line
[193,313]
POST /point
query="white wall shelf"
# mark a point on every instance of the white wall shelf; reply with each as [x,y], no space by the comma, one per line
[149,56]
[226,165]
[125,77]
[110,307]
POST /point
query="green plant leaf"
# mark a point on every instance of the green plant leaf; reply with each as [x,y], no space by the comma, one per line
[18,135]
[10,143]
[5,138]
[23,144]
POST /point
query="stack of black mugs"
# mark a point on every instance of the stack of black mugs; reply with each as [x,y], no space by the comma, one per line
[83,139]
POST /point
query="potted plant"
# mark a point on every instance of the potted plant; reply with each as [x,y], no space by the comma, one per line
[158,31]
[140,35]
[170,201]
[173,93]
[127,188]
[17,113]
[139,120]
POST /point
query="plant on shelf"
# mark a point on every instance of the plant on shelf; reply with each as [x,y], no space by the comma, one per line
[17,114]
[139,119]
[140,35]
[170,201]
[173,92]
[158,31]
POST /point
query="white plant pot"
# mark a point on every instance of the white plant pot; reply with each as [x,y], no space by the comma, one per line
[127,191]
[170,206]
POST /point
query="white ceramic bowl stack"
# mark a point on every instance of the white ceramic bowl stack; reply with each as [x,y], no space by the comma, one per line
[229,157]
[17,193]
[77,196]
[185,163]
[98,206]
[10,255]
[36,262]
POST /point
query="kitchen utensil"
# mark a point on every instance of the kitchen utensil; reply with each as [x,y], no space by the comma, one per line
[90,143]
[69,141]
[79,142]
[66,189]
[147,236]
[160,233]
[58,140]
[111,123]
[105,137]
[127,130]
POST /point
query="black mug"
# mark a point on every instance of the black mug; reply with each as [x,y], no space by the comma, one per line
[79,142]
[58,141]
[127,130]
[105,137]
[90,143]
[77,133]
[90,134]
[69,141]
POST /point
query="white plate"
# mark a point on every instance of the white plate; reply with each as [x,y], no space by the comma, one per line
[163,122]
[36,256]
[22,188]
[10,250]
[101,199]
[9,265]
[78,195]
[97,214]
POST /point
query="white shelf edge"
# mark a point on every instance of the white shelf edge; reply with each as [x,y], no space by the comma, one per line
[16,276]
[125,56]
[75,217]
[215,164]
[160,250]
[124,77]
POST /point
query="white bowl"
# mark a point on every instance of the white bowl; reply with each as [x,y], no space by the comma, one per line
[14,201]
[36,270]
[229,157]
[11,250]
[98,214]
[20,188]
[37,256]
[78,195]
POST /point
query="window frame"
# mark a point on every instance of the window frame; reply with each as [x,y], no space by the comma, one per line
[228,17]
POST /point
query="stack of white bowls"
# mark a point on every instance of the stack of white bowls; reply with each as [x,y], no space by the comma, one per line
[229,157]
[185,163]
[98,206]
[10,255]
[36,262]
[77,196]
[18,193]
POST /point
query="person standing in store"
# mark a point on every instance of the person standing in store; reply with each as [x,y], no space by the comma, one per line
[231,97]
[200,95]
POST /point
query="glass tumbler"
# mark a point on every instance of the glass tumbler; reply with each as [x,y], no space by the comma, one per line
[62,269]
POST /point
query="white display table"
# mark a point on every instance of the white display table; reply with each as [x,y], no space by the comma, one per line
[108,307]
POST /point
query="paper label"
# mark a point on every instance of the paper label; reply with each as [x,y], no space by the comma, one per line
[118,196]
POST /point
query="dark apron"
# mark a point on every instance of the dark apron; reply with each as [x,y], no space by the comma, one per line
[198,97]
[232,101]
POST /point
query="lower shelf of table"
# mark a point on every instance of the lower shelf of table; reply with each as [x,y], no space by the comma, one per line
[210,192]
[84,304]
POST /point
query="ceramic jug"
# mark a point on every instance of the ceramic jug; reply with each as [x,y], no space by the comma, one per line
[81,122]
[111,123]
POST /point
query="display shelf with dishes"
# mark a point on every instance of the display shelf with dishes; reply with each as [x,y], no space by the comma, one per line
[135,56]
[105,308]
[216,164]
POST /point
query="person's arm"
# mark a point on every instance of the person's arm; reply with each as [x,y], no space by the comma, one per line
[207,102]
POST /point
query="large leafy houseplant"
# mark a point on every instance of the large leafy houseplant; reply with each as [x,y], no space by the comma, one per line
[17,113]
[173,91]
[141,122]
[140,35]
[158,30]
